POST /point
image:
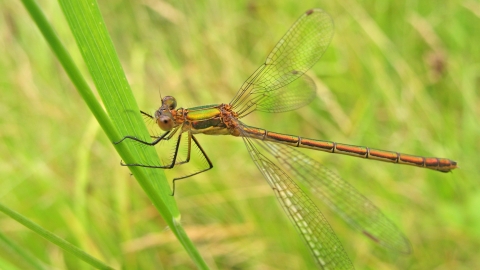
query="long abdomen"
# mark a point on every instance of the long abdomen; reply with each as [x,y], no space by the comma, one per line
[438,164]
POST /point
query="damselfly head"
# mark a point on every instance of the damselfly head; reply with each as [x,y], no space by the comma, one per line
[163,116]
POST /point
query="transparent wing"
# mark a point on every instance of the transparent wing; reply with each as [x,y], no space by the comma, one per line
[341,197]
[304,214]
[293,96]
[299,49]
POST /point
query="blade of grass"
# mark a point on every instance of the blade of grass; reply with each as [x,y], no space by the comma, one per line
[53,238]
[87,25]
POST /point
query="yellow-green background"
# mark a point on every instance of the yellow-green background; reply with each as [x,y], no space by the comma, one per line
[403,76]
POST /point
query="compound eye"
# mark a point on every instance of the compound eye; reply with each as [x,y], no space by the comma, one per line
[165,122]
[170,102]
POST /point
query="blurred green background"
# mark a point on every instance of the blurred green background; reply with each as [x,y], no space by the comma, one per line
[402,76]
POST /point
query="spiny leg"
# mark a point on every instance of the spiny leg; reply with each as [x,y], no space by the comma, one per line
[189,146]
[157,140]
[174,159]
[153,143]
[147,114]
[163,137]
[210,165]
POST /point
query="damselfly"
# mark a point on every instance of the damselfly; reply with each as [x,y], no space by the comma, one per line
[280,85]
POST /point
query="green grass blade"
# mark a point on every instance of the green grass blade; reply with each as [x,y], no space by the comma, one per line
[109,78]
[98,52]
[53,238]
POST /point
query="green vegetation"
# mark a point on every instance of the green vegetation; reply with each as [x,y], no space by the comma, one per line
[397,76]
